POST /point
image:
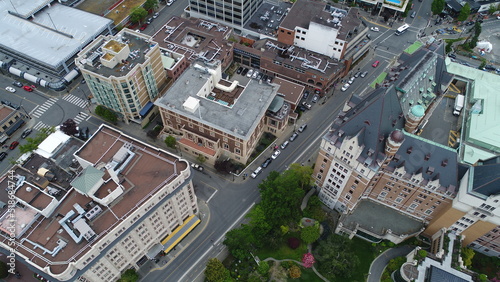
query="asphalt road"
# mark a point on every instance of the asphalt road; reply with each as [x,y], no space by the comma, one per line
[378,265]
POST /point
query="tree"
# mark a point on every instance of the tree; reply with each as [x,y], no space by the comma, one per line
[106,113]
[130,275]
[293,243]
[309,234]
[170,141]
[32,143]
[138,14]
[437,6]
[464,12]
[467,255]
[201,159]
[259,224]
[308,260]
[263,267]
[69,127]
[335,257]
[294,272]
[239,241]
[215,271]
[492,9]
[150,4]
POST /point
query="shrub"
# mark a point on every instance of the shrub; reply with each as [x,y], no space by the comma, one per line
[293,243]
[106,114]
[294,272]
[308,260]
[263,268]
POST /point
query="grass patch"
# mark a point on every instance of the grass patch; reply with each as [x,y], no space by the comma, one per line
[414,47]
[451,40]
[364,251]
[284,251]
[378,80]
[307,275]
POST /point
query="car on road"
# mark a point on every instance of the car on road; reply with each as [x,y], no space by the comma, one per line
[374,28]
[275,154]
[249,73]
[453,56]
[156,15]
[170,2]
[3,155]
[197,167]
[305,104]
[293,137]
[315,98]
[240,69]
[345,87]
[363,74]
[266,163]
[26,132]
[351,80]
[143,27]
[13,145]
[375,64]
[27,88]
[149,21]
[17,83]
[256,172]
[306,94]
[413,14]
[302,127]
[10,89]
[283,146]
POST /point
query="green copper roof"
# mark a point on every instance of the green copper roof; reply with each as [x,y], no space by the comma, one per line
[89,177]
[418,110]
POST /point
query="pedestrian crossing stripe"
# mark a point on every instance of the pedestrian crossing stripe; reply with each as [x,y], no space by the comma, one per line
[40,109]
[40,125]
[75,100]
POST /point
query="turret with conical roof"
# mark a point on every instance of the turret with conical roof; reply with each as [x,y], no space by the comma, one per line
[393,142]
[414,117]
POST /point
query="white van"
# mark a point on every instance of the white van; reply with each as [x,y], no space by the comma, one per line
[256,172]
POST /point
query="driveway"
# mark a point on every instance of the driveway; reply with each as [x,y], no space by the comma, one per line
[378,265]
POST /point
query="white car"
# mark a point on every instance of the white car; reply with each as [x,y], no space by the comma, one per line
[351,80]
[10,89]
[156,15]
[255,74]
[249,73]
[256,172]
[344,88]
[305,104]
[170,2]
[275,154]
[374,28]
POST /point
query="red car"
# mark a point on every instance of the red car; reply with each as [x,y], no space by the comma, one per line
[375,64]
[13,145]
[27,88]
[143,27]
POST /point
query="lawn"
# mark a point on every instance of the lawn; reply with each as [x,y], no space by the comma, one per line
[284,252]
[364,251]
[414,47]
[379,79]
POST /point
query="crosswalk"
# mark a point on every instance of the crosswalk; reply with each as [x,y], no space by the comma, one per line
[39,110]
[40,125]
[75,100]
[81,116]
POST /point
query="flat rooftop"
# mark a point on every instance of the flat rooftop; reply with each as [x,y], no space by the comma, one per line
[194,38]
[148,170]
[378,218]
[5,112]
[268,17]
[50,39]
[482,124]
[138,44]
[239,119]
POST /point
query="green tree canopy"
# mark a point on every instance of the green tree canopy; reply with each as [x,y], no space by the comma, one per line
[309,234]
[138,14]
[263,267]
[215,271]
[106,113]
[437,6]
[170,141]
[239,241]
[335,258]
[464,12]
[467,255]
[150,4]
[130,275]
[32,143]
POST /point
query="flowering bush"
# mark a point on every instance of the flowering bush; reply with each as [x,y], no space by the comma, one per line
[308,260]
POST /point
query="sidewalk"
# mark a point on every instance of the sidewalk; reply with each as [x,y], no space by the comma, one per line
[163,261]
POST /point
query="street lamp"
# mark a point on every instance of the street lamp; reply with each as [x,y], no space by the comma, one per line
[21,106]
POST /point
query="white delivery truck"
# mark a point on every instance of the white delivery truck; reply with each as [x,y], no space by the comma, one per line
[459,104]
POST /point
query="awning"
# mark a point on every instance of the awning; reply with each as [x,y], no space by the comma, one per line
[157,248]
[147,108]
[179,233]
[14,127]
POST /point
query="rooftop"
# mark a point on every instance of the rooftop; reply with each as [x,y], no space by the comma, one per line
[229,107]
[5,112]
[116,55]
[131,167]
[291,91]
[194,38]
[29,30]
[268,17]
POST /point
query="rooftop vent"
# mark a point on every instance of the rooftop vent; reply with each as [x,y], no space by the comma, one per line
[427,157]
[444,163]
[408,151]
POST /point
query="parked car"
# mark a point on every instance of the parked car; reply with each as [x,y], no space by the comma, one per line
[266,163]
[255,74]
[306,94]
[413,14]
[27,88]
[3,155]
[375,64]
[256,172]
[156,15]
[275,154]
[302,127]
[259,76]
[149,21]
[363,74]
[26,132]
[374,28]
[249,73]
[10,89]
[305,104]
[351,80]
[300,108]
[283,146]
[315,98]
[345,87]
[143,27]
[265,77]
[293,137]
[244,72]
[13,145]
[240,69]
[356,75]
[170,2]
[197,167]
[17,83]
